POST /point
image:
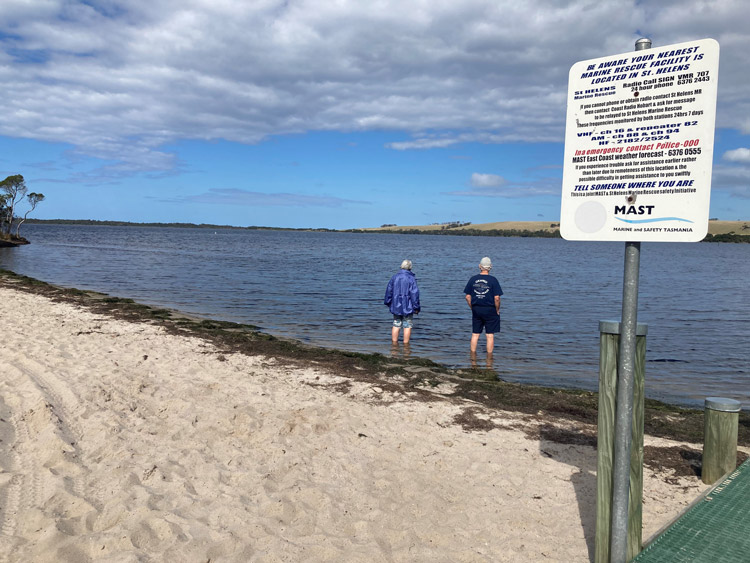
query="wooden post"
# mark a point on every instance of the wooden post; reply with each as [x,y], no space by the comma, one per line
[719,438]
[608,354]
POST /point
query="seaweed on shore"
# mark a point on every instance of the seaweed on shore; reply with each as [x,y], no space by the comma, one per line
[417,378]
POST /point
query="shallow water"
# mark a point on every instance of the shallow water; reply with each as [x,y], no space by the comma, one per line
[327,289]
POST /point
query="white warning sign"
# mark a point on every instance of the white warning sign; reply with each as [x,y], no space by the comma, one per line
[639,145]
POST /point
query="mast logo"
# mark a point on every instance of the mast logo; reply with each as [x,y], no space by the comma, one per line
[634,209]
[642,210]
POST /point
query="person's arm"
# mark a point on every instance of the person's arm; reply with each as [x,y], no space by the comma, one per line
[388,293]
[415,298]
[498,293]
[468,300]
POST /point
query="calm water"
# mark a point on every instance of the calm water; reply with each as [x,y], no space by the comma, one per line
[327,289]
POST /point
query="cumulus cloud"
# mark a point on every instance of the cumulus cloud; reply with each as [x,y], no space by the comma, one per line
[487,180]
[121,80]
[738,155]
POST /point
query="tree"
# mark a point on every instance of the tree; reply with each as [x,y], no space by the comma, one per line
[13,189]
[34,198]
[3,212]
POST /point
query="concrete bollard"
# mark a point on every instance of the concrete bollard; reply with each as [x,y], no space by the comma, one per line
[719,438]
[609,335]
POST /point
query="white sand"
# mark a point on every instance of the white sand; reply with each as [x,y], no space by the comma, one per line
[121,443]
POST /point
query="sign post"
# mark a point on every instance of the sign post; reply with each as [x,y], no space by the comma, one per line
[638,156]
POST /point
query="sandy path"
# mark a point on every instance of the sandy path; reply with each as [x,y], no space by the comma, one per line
[120,442]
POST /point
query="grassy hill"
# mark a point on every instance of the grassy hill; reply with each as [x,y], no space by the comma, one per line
[714,227]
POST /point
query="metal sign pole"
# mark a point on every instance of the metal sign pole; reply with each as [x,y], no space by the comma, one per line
[624,413]
[625,141]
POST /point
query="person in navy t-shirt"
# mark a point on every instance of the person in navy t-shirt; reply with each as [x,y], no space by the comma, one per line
[483,293]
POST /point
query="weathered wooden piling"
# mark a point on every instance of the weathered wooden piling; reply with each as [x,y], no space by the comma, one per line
[719,438]
[608,354]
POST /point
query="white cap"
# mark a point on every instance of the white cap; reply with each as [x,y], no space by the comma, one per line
[485,263]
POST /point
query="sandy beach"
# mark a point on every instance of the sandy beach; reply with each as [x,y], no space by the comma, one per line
[123,442]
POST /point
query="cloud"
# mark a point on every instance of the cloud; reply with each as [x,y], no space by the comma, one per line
[121,80]
[523,133]
[732,179]
[737,155]
[492,185]
[487,180]
[231,196]
[423,143]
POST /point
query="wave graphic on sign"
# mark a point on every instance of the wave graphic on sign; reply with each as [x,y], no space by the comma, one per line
[653,220]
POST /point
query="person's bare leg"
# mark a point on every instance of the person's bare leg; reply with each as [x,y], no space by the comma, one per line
[407,335]
[394,334]
[474,341]
[490,343]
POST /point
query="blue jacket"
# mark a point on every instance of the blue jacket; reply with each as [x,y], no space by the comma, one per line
[402,294]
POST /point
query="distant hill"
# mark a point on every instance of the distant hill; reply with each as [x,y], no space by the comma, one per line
[714,227]
[532,226]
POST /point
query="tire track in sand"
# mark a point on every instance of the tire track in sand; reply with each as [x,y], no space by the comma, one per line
[65,409]
[22,489]
[42,451]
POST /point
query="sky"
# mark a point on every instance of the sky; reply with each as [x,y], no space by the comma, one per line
[328,113]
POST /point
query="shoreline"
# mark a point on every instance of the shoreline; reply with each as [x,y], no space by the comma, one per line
[131,433]
[718,231]
[662,419]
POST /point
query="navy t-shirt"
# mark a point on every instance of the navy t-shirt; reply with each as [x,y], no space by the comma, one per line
[483,289]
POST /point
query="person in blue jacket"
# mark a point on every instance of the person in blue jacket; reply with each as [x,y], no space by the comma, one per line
[402,299]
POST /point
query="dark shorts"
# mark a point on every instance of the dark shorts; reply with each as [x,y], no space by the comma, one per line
[484,317]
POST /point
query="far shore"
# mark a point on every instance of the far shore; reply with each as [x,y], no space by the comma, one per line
[714,227]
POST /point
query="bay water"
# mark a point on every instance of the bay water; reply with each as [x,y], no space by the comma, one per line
[326,289]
